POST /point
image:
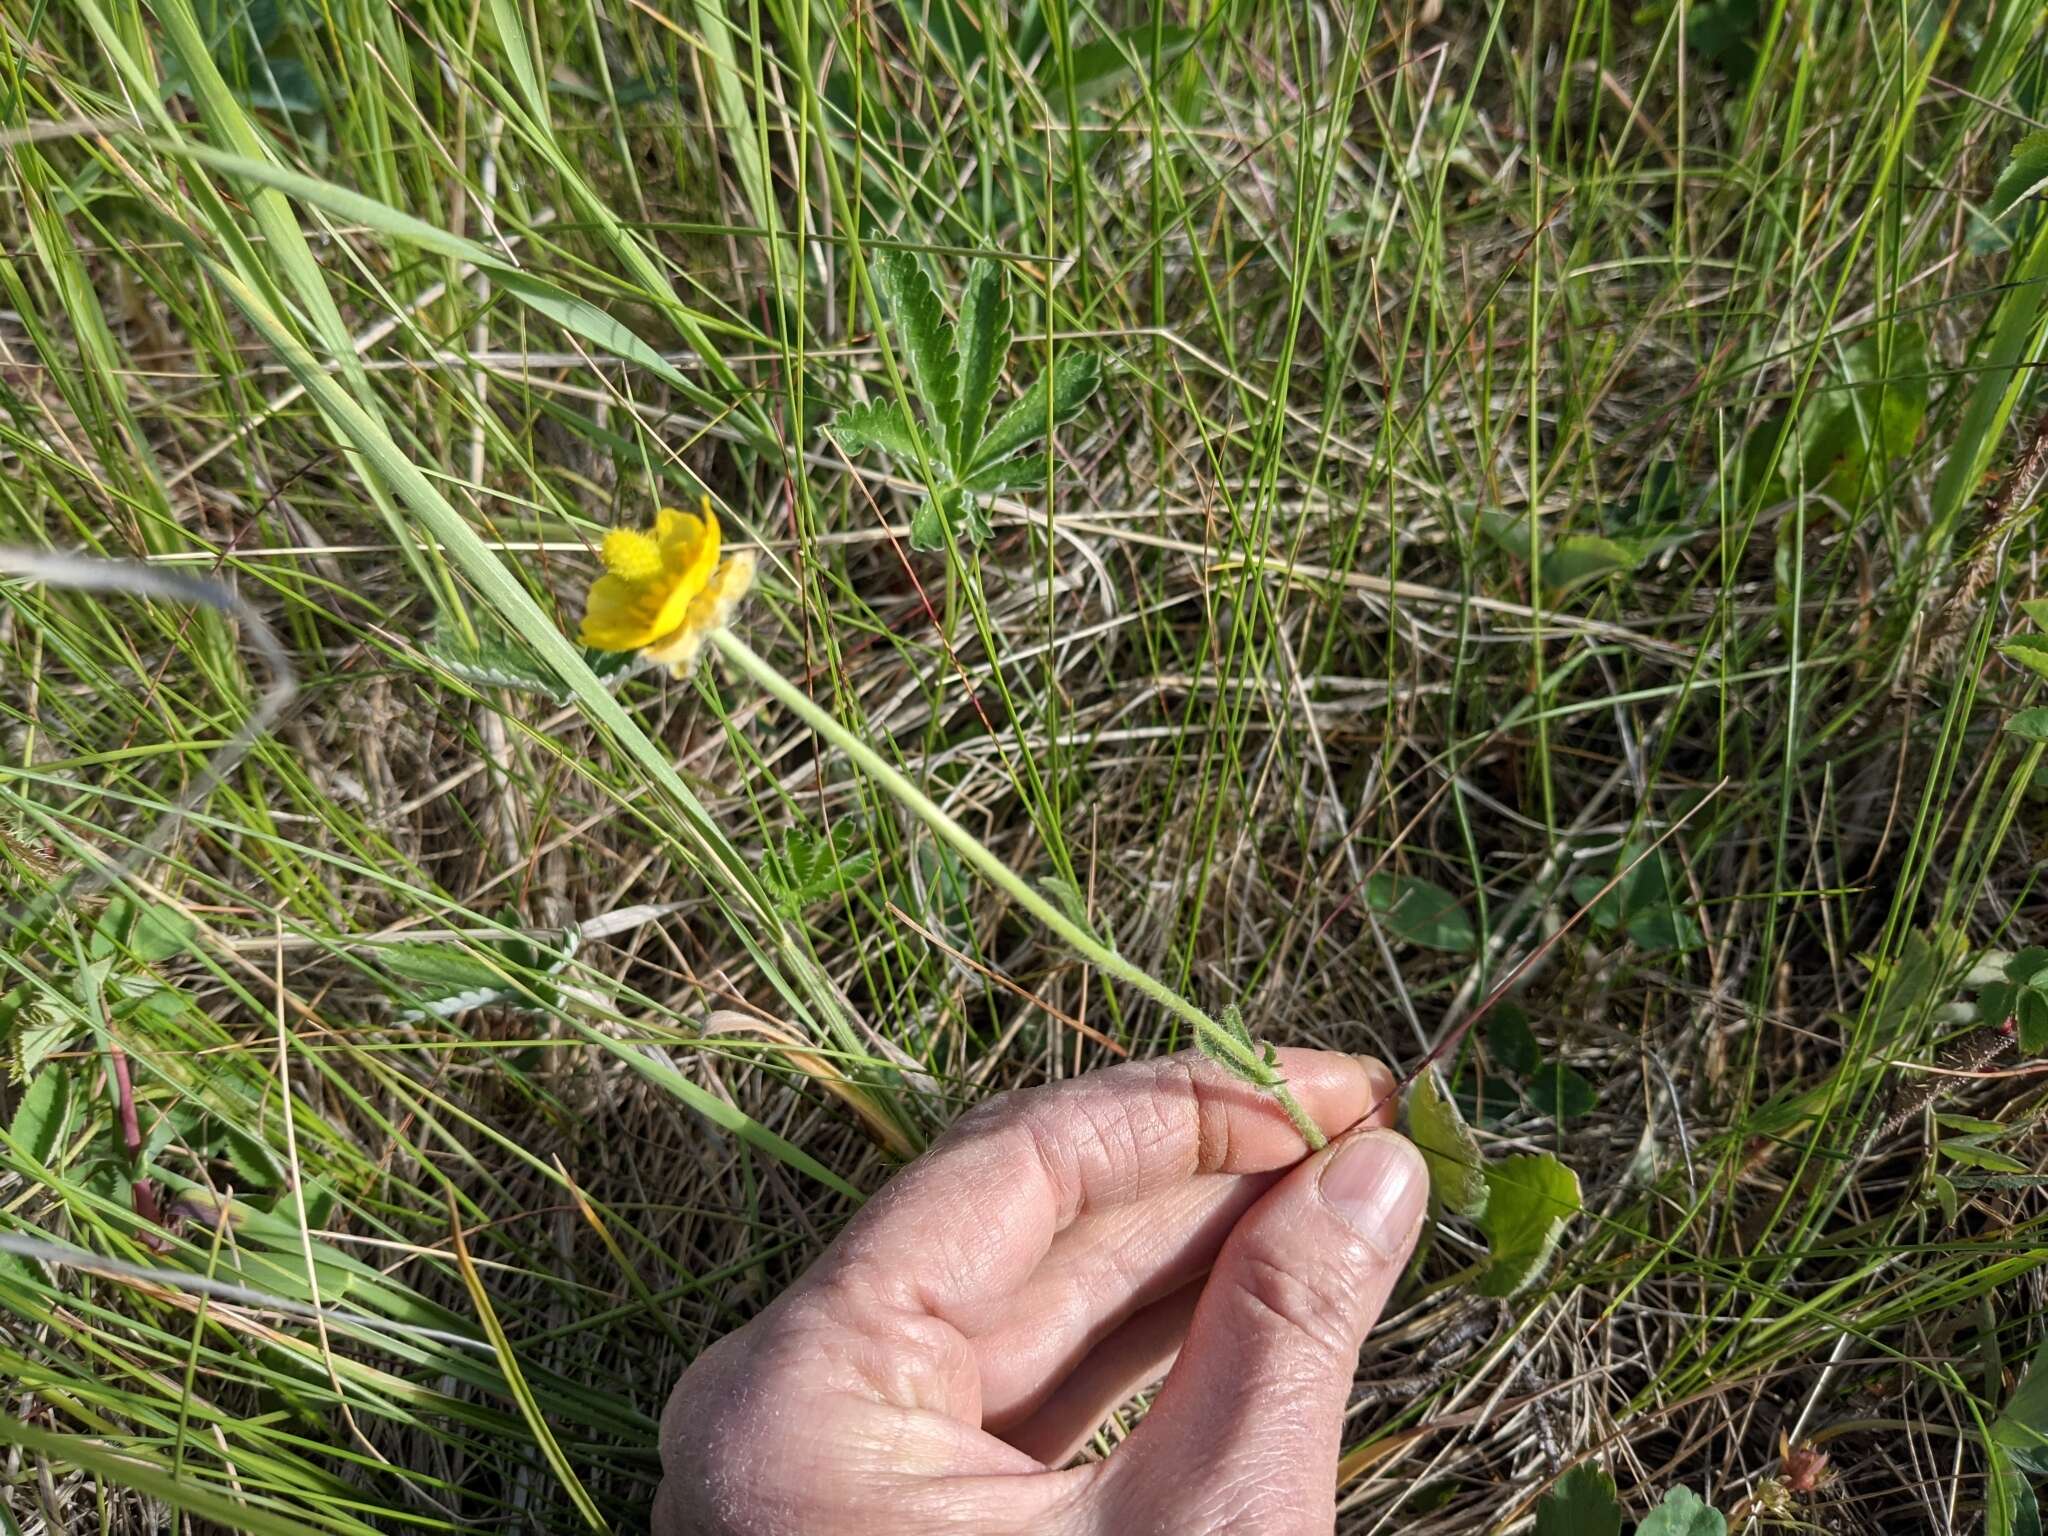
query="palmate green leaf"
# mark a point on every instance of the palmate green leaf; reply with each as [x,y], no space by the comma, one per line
[1510,1040]
[878,424]
[1683,1513]
[1457,1175]
[1421,912]
[2021,1431]
[2025,174]
[1582,1504]
[1529,1200]
[809,866]
[984,346]
[926,336]
[1055,396]
[2029,724]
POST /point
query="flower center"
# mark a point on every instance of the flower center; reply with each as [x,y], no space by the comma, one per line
[632,555]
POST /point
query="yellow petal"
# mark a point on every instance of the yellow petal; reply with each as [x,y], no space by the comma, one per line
[709,612]
[687,566]
[673,527]
[614,616]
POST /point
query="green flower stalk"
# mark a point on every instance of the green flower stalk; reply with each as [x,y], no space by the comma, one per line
[1226,1042]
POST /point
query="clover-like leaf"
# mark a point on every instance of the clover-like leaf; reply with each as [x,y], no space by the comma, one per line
[1421,912]
[1457,1176]
[1555,1089]
[1683,1513]
[1582,1504]
[1529,1200]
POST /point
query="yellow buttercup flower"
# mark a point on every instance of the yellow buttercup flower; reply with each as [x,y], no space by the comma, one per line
[664,593]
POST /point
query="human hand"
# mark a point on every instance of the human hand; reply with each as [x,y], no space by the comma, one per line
[1052,1253]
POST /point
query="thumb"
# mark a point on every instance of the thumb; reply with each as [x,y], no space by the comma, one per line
[1245,1433]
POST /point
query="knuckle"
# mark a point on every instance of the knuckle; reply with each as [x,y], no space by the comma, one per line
[1307,1303]
[1199,1081]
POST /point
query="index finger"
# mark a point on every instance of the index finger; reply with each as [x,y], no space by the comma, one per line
[974,1216]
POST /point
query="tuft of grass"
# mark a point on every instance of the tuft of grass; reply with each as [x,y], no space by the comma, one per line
[1516,421]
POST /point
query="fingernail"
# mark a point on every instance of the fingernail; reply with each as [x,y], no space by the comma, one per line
[1377,1182]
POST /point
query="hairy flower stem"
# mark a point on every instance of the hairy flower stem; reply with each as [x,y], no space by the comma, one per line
[1215,1038]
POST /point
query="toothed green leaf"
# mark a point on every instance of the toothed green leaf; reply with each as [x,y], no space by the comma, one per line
[877,424]
[984,344]
[1055,396]
[43,1115]
[496,664]
[925,334]
[1010,475]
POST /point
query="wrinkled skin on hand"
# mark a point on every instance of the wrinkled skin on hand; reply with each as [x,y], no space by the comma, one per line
[1057,1250]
